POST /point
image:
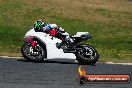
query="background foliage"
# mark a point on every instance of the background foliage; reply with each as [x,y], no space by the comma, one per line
[109,21]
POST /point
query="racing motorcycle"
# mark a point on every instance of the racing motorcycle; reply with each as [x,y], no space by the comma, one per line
[40,46]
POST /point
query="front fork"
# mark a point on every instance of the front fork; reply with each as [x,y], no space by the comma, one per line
[34,43]
[30,39]
[33,48]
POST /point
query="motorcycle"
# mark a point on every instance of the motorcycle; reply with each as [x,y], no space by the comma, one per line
[40,46]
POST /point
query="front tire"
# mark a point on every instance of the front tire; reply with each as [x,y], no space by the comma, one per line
[31,55]
[87,55]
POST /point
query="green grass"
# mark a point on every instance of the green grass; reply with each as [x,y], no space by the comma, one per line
[109,21]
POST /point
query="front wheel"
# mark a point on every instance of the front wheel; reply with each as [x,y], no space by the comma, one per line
[87,55]
[35,54]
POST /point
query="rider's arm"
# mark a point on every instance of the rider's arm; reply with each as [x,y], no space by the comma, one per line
[53,26]
[49,27]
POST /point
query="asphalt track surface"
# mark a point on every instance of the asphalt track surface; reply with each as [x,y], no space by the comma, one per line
[19,73]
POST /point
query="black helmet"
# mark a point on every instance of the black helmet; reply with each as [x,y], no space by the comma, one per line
[38,25]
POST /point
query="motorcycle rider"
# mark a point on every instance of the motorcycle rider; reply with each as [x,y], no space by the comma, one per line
[41,26]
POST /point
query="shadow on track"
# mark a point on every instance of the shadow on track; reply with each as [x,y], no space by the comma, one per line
[59,61]
[55,60]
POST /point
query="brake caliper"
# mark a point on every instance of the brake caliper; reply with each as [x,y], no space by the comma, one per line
[34,43]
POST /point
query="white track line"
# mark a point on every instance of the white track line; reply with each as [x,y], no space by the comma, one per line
[118,63]
[10,57]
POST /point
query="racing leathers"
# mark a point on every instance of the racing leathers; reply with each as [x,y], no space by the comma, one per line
[59,33]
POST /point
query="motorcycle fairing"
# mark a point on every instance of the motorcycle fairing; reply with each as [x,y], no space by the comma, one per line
[52,51]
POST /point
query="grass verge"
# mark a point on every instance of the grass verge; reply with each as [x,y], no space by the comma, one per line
[109,21]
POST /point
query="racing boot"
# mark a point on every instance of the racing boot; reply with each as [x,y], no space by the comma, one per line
[70,43]
[60,45]
[71,46]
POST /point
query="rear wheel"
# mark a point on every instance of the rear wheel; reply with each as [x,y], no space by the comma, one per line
[35,54]
[87,55]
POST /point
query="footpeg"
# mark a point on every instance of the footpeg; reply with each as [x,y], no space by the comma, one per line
[69,51]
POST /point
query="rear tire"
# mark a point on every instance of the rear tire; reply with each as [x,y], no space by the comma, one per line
[88,55]
[26,52]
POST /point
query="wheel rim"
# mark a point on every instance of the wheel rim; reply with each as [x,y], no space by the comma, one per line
[88,53]
[34,53]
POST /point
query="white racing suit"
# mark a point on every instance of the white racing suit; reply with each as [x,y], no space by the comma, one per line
[61,31]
